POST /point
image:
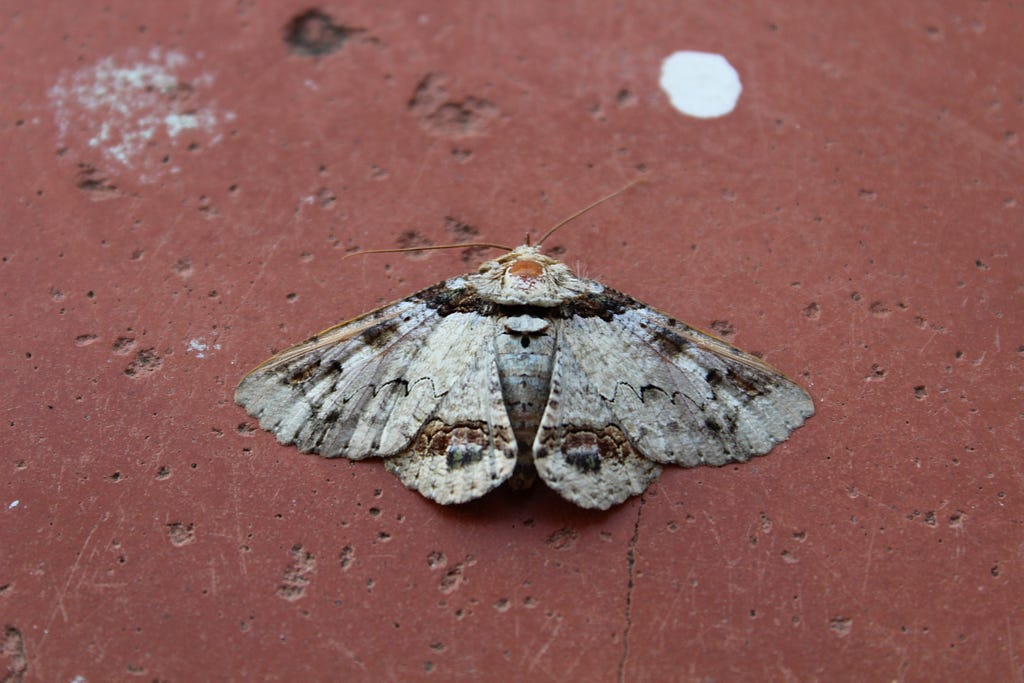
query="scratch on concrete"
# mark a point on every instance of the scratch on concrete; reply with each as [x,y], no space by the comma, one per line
[62,592]
[631,571]
[542,650]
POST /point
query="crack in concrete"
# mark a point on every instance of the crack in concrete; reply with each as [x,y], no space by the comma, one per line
[631,565]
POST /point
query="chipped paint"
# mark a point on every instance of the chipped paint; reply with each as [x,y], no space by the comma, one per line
[200,347]
[123,106]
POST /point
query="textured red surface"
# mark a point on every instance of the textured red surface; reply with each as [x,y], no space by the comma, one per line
[857,219]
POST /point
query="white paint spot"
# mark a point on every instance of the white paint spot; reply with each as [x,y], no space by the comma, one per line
[14,504]
[79,679]
[125,108]
[700,84]
[308,200]
[200,347]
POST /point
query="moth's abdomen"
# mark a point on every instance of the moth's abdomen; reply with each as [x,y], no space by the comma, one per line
[525,350]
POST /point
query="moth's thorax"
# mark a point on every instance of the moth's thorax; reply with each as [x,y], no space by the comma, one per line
[526,276]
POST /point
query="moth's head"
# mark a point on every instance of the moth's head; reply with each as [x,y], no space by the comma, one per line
[524,276]
[524,268]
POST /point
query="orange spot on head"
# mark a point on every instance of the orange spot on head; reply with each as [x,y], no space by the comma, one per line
[526,269]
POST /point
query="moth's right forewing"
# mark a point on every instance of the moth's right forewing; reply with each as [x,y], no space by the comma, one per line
[335,393]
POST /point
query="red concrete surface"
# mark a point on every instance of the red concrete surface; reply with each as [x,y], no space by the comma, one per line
[180,183]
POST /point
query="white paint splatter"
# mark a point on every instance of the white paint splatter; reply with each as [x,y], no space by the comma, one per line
[200,347]
[700,84]
[14,504]
[122,107]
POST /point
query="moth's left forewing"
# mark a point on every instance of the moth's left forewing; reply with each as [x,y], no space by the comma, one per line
[681,395]
[774,401]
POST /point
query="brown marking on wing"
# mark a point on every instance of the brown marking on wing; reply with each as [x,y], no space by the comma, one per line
[459,444]
[585,448]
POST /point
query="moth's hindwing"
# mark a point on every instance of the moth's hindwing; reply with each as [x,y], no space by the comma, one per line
[580,450]
[466,446]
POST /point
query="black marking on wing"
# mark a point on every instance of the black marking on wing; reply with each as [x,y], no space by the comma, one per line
[584,461]
[752,385]
[380,335]
[668,342]
[301,373]
[446,300]
[605,305]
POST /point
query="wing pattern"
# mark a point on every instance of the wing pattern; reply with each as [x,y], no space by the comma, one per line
[662,391]
[402,383]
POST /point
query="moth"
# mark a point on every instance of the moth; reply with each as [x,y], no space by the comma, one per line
[519,370]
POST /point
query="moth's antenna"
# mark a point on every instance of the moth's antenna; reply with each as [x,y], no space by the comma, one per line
[582,211]
[467,245]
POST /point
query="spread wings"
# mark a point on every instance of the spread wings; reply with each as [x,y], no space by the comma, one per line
[650,388]
[400,382]
[417,382]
